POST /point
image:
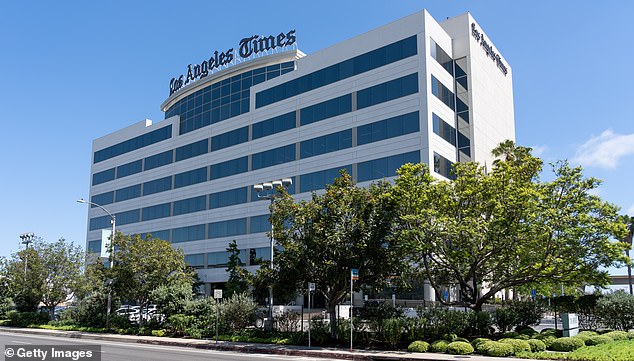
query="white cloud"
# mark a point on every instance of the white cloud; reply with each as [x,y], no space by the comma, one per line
[605,150]
[630,212]
[539,150]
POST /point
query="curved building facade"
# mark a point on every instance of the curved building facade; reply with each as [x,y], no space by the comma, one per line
[414,90]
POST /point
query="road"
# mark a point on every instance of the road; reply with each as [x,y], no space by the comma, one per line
[119,351]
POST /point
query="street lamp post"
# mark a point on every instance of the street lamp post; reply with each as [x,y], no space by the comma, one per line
[113,220]
[269,188]
[26,238]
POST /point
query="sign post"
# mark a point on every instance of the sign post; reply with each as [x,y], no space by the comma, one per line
[311,289]
[217,296]
[354,275]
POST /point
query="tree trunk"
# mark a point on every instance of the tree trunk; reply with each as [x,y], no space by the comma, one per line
[333,319]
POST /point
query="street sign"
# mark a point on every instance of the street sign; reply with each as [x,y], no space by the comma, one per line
[354,274]
[311,287]
[217,294]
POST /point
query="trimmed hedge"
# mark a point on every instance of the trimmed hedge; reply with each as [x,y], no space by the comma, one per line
[418,346]
[518,345]
[495,348]
[536,345]
[617,335]
[567,344]
[479,340]
[439,346]
[598,340]
[460,348]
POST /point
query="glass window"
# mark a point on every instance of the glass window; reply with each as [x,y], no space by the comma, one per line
[443,166]
[464,144]
[190,205]
[442,93]
[94,246]
[190,177]
[186,234]
[157,185]
[158,160]
[444,130]
[128,217]
[102,199]
[217,259]
[102,222]
[230,167]
[274,125]
[387,91]
[103,177]
[232,227]
[259,255]
[133,144]
[129,168]
[228,198]
[195,260]
[272,157]
[441,57]
[164,235]
[345,69]
[327,109]
[229,139]
[128,193]
[259,224]
[326,144]
[192,150]
[388,128]
[318,180]
[385,167]
[157,211]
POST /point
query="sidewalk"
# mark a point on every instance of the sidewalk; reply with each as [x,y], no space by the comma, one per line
[255,348]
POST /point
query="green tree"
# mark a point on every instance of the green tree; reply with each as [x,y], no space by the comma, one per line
[237,282]
[323,238]
[490,231]
[23,274]
[62,270]
[143,265]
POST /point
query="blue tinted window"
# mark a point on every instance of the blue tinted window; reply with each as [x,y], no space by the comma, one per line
[232,227]
[327,109]
[195,260]
[104,176]
[103,198]
[257,255]
[443,166]
[228,198]
[441,57]
[133,144]
[272,157]
[192,150]
[128,217]
[190,177]
[164,235]
[259,224]
[229,139]
[274,125]
[157,185]
[318,180]
[345,69]
[190,205]
[102,222]
[217,259]
[128,193]
[157,211]
[129,168]
[230,167]
[94,246]
[326,144]
[186,234]
[387,91]
[388,128]
[464,144]
[158,160]
[385,167]
[442,93]
[444,130]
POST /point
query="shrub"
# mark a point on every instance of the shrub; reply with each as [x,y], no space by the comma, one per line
[393,330]
[158,333]
[567,344]
[495,348]
[418,346]
[552,332]
[526,330]
[518,345]
[287,321]
[518,314]
[630,335]
[319,330]
[23,319]
[180,324]
[461,339]
[439,346]
[597,340]
[548,340]
[536,345]
[510,334]
[616,310]
[459,348]
[617,335]
[480,323]
[239,312]
[478,341]
[434,322]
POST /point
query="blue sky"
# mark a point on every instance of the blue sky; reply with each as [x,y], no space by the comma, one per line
[74,71]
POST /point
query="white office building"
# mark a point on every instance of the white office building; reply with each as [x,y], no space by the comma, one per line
[414,90]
